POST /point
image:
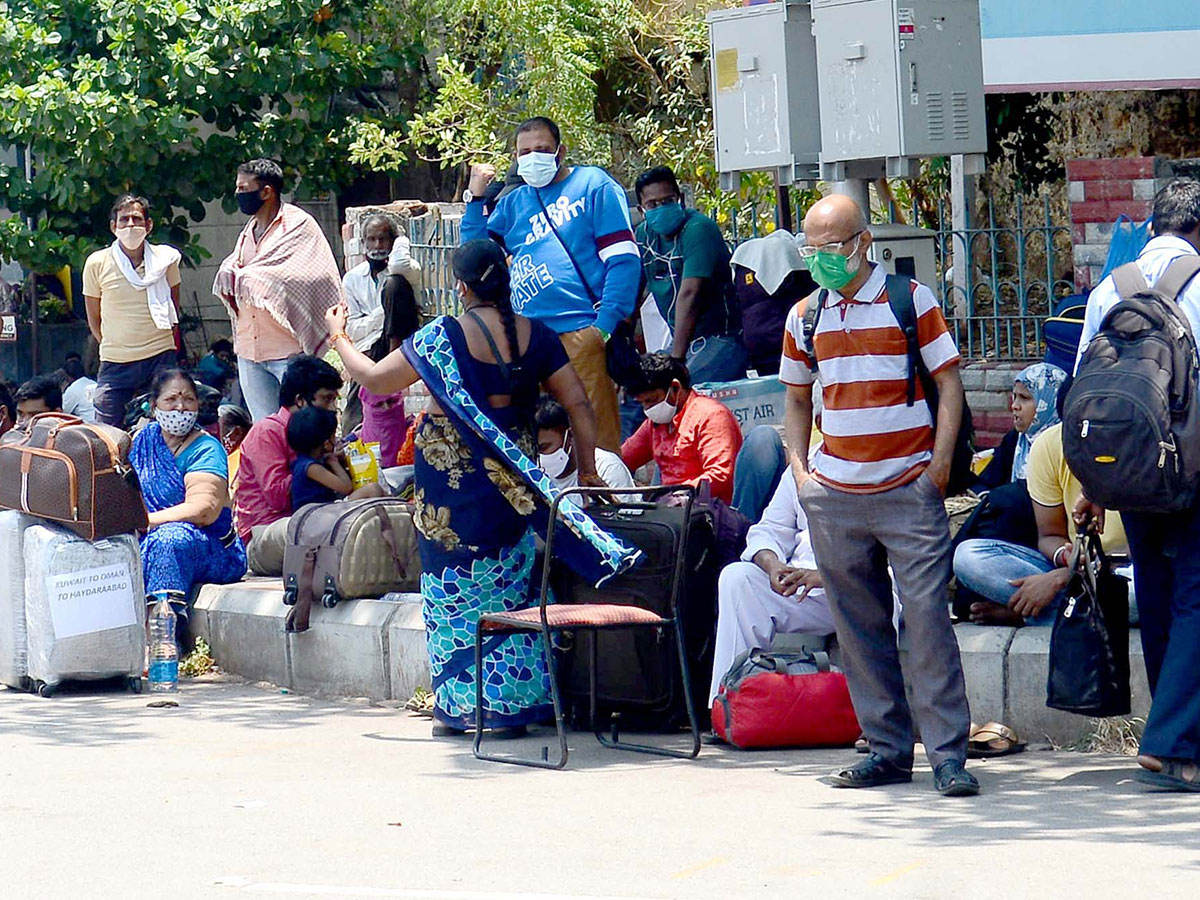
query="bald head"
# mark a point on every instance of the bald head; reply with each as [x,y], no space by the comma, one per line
[833,218]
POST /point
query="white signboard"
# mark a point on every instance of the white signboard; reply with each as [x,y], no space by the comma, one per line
[91,600]
[8,328]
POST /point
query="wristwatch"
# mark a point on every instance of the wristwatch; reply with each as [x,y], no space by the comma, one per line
[468,197]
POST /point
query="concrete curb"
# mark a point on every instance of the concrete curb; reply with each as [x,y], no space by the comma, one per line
[376,649]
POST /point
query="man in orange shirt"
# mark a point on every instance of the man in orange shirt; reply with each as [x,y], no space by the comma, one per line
[873,493]
[277,285]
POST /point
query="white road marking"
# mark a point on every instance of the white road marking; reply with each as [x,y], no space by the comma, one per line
[334,890]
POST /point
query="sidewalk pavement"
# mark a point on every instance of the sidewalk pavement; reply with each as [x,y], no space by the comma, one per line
[244,791]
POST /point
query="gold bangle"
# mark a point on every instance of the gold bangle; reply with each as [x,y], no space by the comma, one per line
[333,338]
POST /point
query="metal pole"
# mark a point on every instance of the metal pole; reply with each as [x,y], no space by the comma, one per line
[962,198]
[784,207]
[30,222]
[856,188]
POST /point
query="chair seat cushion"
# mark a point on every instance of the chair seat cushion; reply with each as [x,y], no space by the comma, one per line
[573,615]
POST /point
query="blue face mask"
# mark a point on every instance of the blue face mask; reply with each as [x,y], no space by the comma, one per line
[666,219]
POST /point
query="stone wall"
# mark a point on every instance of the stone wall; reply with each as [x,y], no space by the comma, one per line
[988,385]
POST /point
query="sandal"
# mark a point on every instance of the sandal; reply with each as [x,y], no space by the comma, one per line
[1172,774]
[993,739]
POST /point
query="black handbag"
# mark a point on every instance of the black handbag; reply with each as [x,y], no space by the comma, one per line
[1089,646]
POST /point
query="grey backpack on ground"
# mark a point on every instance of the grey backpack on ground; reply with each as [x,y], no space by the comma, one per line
[1131,424]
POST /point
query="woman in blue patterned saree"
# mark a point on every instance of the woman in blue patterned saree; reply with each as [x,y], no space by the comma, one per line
[480,497]
[184,474]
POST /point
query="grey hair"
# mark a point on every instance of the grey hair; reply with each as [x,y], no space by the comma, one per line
[380,218]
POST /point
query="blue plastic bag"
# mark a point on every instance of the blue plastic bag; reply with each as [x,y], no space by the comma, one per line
[1128,239]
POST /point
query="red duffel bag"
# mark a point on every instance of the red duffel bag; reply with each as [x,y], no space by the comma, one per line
[777,699]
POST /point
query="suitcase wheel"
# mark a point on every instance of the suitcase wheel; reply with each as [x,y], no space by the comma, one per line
[44,690]
[329,599]
[134,685]
[290,596]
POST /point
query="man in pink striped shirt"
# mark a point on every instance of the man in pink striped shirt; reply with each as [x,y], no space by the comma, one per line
[873,494]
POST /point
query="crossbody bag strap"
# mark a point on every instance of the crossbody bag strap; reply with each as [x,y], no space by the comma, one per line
[808,326]
[505,370]
[567,250]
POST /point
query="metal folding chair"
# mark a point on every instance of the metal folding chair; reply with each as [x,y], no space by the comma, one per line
[547,619]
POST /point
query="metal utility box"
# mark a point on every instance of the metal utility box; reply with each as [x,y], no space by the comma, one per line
[905,250]
[764,91]
[899,80]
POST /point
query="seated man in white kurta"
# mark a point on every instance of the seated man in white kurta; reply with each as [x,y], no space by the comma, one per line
[774,589]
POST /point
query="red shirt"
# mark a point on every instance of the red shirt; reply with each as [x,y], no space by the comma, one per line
[701,442]
[264,479]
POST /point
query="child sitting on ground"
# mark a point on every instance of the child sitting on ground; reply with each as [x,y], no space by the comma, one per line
[318,475]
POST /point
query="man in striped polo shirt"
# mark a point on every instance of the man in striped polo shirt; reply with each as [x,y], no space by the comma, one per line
[873,494]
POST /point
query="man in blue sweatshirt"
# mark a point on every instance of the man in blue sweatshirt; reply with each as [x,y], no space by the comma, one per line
[575,263]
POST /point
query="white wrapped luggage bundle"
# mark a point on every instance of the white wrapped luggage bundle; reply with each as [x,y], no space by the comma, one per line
[13,653]
[84,607]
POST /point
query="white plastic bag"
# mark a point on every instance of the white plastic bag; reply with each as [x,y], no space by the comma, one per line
[13,653]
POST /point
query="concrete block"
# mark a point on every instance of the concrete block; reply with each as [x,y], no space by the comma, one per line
[1075,192]
[345,651]
[1027,670]
[999,379]
[408,659]
[1091,254]
[972,378]
[1097,233]
[243,623]
[983,649]
[1144,188]
[988,401]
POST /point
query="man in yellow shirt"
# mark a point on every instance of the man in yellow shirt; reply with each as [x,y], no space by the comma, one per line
[131,290]
[1024,583]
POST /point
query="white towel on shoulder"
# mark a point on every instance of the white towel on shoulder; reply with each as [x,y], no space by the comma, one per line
[157,259]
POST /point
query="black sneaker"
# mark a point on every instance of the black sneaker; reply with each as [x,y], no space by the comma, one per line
[953,780]
[874,771]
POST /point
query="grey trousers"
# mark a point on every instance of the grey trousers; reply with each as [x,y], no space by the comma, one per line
[855,537]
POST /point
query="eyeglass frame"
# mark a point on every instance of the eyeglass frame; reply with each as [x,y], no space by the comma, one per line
[808,251]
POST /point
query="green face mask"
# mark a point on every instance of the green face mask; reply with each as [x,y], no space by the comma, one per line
[833,271]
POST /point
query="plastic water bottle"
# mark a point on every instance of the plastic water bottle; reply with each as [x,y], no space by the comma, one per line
[164,655]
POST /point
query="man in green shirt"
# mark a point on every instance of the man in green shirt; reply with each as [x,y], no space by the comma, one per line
[685,262]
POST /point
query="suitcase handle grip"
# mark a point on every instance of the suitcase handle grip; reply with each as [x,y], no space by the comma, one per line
[389,537]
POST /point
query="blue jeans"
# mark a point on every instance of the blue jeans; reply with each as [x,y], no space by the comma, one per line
[260,385]
[757,470]
[718,358]
[987,566]
[1166,560]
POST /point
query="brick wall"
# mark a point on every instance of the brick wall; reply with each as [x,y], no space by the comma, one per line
[988,385]
[1100,190]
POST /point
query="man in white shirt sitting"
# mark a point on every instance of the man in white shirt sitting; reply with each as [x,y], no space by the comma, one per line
[556,452]
[382,307]
[775,588]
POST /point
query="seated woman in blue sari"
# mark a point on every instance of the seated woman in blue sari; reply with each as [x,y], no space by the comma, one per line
[480,496]
[184,473]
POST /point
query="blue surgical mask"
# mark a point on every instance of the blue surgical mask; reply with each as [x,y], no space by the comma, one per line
[667,218]
[537,169]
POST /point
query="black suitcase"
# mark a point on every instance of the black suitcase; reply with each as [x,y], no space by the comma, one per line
[638,671]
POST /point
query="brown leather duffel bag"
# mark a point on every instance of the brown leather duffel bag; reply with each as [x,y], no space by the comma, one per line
[74,474]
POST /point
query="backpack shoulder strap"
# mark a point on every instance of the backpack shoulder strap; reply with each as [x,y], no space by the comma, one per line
[1177,276]
[814,303]
[900,299]
[1129,280]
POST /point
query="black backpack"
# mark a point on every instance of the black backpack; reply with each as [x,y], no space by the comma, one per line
[1131,426]
[900,299]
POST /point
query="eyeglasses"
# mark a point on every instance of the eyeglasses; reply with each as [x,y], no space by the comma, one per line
[808,251]
[655,204]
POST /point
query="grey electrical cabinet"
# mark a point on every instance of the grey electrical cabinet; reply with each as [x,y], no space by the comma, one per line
[899,80]
[764,91]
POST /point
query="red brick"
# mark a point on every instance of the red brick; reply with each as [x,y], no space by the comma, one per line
[1108,190]
[1104,169]
[1130,167]
[1078,234]
[987,440]
[1108,210]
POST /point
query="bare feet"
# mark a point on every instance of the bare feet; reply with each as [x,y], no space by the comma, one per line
[987,613]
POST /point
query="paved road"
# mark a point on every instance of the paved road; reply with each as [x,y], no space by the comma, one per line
[244,792]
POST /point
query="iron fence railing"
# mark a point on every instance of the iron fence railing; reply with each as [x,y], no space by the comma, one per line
[996,309]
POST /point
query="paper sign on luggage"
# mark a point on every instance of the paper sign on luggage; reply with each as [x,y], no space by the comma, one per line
[91,600]
[8,329]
